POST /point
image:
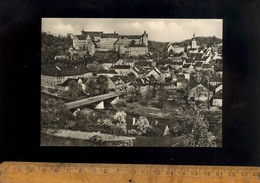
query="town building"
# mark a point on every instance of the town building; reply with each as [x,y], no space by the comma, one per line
[201,92]
[121,69]
[108,73]
[171,48]
[52,76]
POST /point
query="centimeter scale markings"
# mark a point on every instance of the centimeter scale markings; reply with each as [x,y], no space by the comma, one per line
[12,172]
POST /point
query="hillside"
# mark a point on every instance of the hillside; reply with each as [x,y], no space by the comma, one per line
[210,40]
[52,46]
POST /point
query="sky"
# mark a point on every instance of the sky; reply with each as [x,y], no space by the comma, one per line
[164,30]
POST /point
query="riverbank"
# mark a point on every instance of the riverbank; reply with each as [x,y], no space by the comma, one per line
[150,112]
[172,112]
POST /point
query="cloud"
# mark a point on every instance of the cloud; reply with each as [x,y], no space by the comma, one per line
[61,28]
[165,30]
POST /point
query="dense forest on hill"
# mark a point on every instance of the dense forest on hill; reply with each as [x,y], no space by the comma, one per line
[155,46]
[53,45]
[209,41]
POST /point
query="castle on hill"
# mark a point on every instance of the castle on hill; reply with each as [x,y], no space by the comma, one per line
[130,45]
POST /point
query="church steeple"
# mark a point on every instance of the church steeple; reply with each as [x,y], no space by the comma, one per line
[193,42]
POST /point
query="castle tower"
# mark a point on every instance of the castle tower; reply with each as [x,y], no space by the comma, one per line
[145,38]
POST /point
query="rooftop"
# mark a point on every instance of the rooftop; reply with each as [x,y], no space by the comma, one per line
[218,95]
[137,45]
[206,66]
[81,37]
[92,33]
[109,35]
[131,75]
[65,71]
[215,79]
[110,71]
[130,36]
[67,81]
[121,67]
[180,76]
[186,66]
[198,64]
[182,80]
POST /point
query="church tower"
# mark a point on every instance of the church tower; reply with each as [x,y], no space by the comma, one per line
[194,42]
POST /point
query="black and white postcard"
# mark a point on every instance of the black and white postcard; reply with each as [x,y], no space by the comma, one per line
[131,82]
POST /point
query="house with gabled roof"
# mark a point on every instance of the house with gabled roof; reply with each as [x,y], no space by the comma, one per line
[198,66]
[206,59]
[188,61]
[201,92]
[215,81]
[115,83]
[217,99]
[137,72]
[206,67]
[197,57]
[219,70]
[65,85]
[177,65]
[156,73]
[131,76]
[182,83]
[187,68]
[54,75]
[174,48]
[165,71]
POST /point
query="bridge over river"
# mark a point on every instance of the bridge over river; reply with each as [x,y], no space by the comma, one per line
[91,100]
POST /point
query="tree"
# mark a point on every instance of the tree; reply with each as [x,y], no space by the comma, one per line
[86,117]
[75,89]
[143,124]
[164,54]
[54,112]
[120,121]
[193,129]
[132,92]
[199,91]
[145,93]
[153,82]
[92,67]
[102,81]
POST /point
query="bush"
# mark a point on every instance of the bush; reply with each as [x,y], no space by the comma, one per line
[154,132]
[143,102]
[156,105]
[121,103]
[133,132]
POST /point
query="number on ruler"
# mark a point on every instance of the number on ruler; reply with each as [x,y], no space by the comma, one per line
[30,168]
[231,174]
[156,171]
[43,169]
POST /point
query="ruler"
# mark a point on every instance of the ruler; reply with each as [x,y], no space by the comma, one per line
[28,172]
